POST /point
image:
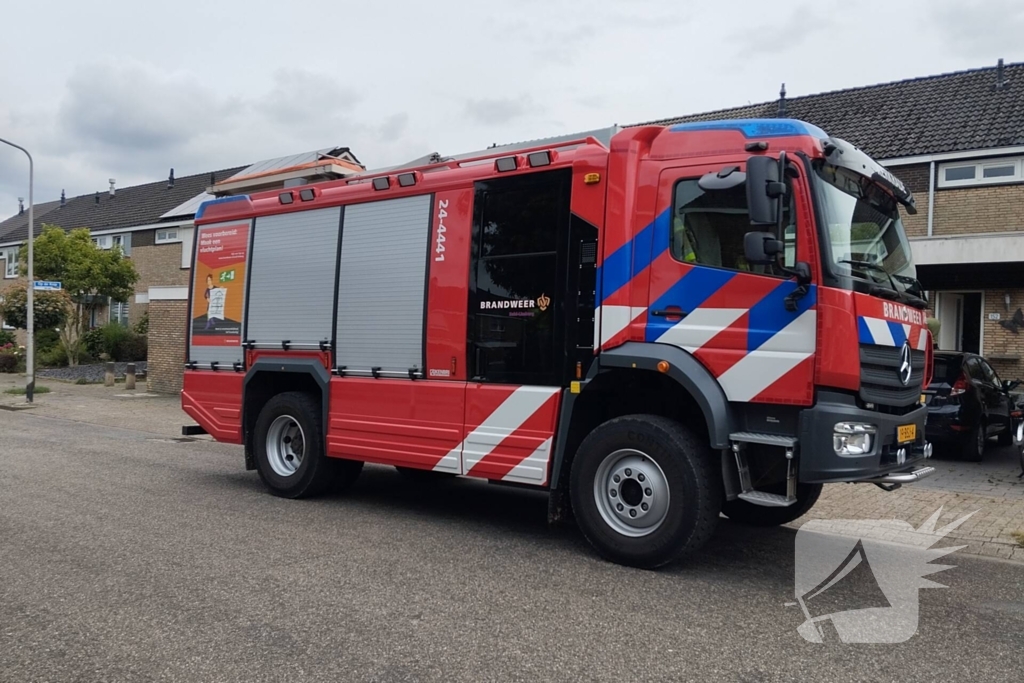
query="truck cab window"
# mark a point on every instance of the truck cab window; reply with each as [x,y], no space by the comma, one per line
[708,228]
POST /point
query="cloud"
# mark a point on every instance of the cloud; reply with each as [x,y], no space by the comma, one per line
[804,22]
[979,30]
[497,111]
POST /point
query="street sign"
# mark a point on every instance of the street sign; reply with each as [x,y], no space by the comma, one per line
[45,285]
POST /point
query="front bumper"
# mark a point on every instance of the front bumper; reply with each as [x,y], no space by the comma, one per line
[819,463]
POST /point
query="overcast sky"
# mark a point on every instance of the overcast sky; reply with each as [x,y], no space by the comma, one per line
[127,90]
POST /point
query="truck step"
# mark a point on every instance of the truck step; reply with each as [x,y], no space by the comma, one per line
[766,439]
[771,500]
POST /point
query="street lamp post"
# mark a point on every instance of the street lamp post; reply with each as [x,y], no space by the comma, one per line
[30,347]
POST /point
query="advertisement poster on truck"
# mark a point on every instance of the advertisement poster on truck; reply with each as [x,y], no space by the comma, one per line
[219,287]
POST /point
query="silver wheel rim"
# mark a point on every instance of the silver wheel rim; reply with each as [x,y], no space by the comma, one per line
[286,445]
[1020,432]
[981,439]
[631,493]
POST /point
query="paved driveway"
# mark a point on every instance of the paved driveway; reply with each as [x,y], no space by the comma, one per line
[127,556]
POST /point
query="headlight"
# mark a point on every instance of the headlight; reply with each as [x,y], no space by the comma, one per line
[853,438]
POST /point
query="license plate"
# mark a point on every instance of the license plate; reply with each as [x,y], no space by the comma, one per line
[905,433]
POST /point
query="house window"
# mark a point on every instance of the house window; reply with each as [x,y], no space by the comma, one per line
[11,262]
[3,323]
[981,172]
[119,312]
[103,241]
[124,240]
[168,236]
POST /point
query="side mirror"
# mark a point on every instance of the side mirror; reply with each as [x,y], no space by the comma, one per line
[1010,384]
[762,248]
[726,179]
[764,189]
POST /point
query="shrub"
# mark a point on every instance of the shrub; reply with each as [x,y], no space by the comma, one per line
[142,327]
[117,342]
[46,339]
[10,357]
[6,337]
[52,357]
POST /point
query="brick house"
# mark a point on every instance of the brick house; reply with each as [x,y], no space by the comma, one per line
[153,225]
[957,141]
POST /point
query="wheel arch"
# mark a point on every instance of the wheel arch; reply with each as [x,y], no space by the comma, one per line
[268,377]
[626,380]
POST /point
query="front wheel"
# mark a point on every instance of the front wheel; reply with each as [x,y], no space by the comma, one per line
[974,444]
[758,515]
[645,490]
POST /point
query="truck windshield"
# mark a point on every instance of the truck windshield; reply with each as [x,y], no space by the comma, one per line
[862,228]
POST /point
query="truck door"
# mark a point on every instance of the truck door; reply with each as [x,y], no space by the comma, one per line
[522,301]
[747,324]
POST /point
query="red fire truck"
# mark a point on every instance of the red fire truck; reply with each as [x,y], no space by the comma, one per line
[656,326]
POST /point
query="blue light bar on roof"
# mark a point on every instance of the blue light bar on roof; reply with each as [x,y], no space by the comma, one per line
[221,200]
[755,128]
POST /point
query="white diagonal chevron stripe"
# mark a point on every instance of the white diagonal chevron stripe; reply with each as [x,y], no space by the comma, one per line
[700,326]
[534,469]
[762,367]
[506,418]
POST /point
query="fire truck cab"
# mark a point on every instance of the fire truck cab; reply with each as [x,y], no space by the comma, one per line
[656,326]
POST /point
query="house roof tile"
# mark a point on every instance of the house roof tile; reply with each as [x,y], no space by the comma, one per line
[947,112]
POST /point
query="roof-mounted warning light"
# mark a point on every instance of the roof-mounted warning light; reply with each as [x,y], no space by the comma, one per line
[506,164]
[307,194]
[286,197]
[539,159]
[381,183]
[406,179]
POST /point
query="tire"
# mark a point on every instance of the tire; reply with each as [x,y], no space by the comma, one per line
[289,445]
[973,449]
[424,476]
[742,512]
[673,473]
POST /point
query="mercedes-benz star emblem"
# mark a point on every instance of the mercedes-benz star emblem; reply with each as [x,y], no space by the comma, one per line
[906,368]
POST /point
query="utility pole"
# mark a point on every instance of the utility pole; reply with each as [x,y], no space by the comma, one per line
[30,347]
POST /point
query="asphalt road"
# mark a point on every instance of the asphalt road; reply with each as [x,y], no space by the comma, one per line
[127,556]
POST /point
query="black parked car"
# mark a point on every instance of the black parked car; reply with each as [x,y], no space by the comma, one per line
[968,405]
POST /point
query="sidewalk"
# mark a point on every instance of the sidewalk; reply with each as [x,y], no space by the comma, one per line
[991,487]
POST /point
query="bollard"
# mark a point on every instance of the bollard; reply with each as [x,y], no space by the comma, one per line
[108,378]
[129,377]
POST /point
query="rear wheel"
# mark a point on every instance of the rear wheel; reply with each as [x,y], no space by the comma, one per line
[645,490]
[974,444]
[758,515]
[289,446]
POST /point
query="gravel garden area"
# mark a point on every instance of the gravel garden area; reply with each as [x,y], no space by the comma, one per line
[90,373]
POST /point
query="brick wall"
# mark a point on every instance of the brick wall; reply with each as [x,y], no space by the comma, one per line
[158,265]
[916,179]
[1000,341]
[998,208]
[167,321]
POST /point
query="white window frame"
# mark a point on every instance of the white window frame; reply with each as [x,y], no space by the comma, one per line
[167,239]
[979,166]
[103,241]
[122,308]
[11,260]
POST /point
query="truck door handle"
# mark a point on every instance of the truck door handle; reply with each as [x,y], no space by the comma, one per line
[669,312]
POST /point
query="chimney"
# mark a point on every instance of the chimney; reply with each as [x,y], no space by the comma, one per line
[111,181]
[213,178]
[1000,75]
[170,180]
[63,199]
[782,102]
[97,197]
[21,205]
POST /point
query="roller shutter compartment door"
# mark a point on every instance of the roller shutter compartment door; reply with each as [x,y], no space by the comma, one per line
[291,291]
[381,286]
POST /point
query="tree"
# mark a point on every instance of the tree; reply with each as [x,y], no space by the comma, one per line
[89,275]
[51,308]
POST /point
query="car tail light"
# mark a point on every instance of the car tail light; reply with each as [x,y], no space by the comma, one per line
[959,386]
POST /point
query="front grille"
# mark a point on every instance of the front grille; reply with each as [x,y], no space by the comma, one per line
[879,376]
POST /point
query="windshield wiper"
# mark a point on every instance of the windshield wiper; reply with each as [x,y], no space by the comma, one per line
[897,294]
